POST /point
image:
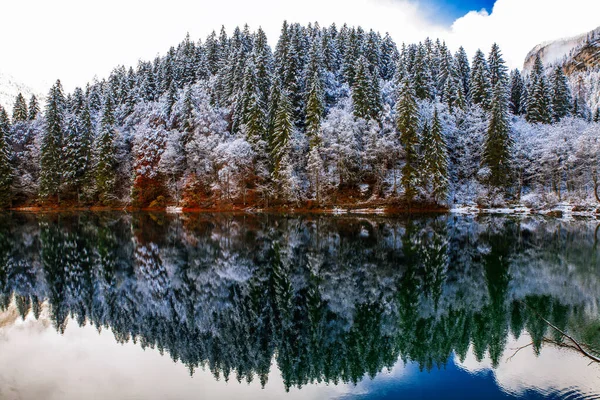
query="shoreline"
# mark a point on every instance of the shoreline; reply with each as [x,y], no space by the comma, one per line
[558,211]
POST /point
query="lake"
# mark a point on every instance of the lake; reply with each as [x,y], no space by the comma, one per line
[198,306]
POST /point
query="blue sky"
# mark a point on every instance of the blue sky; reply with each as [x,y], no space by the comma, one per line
[447,11]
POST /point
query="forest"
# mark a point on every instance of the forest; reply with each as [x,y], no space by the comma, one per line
[331,116]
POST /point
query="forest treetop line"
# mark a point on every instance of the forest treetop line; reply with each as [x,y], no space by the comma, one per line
[330,116]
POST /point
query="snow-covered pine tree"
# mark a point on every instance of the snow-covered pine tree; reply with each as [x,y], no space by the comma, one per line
[105,154]
[481,87]
[51,168]
[282,131]
[78,147]
[498,142]
[6,171]
[463,69]
[361,89]
[263,61]
[561,94]
[20,113]
[314,108]
[517,88]
[497,67]
[389,58]
[422,80]
[539,101]
[34,108]
[407,124]
[435,160]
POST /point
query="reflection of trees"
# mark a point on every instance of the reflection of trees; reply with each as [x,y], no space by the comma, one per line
[329,299]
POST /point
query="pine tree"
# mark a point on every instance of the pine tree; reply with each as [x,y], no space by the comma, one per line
[34,108]
[435,159]
[497,67]
[20,113]
[105,154]
[282,131]
[6,171]
[539,101]
[52,142]
[314,108]
[597,115]
[464,70]
[361,96]
[407,122]
[263,60]
[561,94]
[481,86]
[498,143]
[78,146]
[421,75]
[388,59]
[517,88]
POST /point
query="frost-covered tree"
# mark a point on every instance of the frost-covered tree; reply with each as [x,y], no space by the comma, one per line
[497,67]
[282,131]
[51,169]
[407,124]
[78,147]
[481,86]
[561,94]
[539,100]
[105,155]
[34,108]
[20,113]
[498,142]
[517,92]
[6,171]
[435,160]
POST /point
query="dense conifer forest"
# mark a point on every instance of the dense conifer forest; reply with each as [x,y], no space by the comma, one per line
[330,116]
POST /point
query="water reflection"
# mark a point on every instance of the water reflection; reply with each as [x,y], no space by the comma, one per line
[323,299]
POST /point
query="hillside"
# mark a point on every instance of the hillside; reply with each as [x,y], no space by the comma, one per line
[10,87]
[579,53]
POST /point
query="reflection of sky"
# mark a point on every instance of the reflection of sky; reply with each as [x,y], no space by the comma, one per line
[36,362]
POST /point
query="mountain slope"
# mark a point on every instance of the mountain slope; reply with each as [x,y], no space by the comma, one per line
[10,87]
[578,53]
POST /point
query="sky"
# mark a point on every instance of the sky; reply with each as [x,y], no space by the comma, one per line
[76,40]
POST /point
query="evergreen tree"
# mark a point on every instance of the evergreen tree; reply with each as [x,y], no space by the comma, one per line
[597,115]
[407,123]
[105,154]
[481,87]
[435,160]
[498,143]
[388,59]
[539,101]
[561,94]
[421,75]
[314,108]
[517,88]
[51,160]
[464,70]
[497,67]
[20,113]
[361,90]
[78,146]
[6,171]
[282,131]
[34,108]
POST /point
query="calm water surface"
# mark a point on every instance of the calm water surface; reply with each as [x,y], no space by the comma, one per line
[198,306]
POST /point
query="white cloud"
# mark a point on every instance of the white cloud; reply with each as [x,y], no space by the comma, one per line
[519,25]
[75,40]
